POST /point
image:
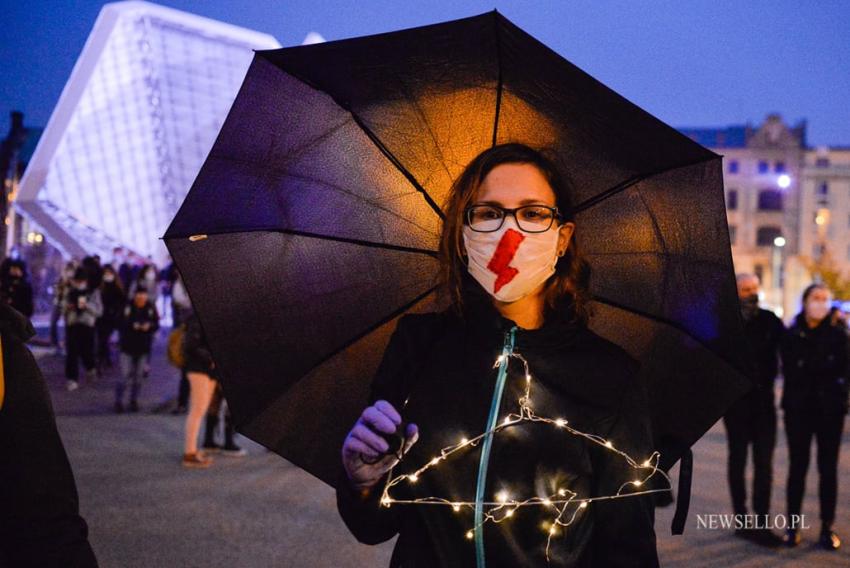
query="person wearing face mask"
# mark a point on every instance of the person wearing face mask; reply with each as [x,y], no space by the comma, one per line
[814,399]
[514,279]
[113,299]
[751,422]
[15,289]
[82,307]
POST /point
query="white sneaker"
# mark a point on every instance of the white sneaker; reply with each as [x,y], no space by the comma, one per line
[72,386]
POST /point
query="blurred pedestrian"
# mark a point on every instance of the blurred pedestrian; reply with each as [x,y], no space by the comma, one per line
[82,308]
[15,288]
[814,398]
[63,283]
[139,322]
[149,280]
[200,369]
[112,296]
[751,422]
[40,522]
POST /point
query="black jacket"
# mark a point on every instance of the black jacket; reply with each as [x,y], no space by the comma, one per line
[764,333]
[40,524]
[113,300]
[814,364]
[135,341]
[438,370]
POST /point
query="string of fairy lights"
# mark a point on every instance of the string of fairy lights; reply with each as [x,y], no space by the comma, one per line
[564,503]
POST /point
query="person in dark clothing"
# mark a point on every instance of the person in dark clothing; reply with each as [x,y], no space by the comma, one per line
[82,308]
[751,422]
[139,322]
[113,300]
[15,288]
[517,288]
[814,399]
[40,522]
[63,283]
[200,369]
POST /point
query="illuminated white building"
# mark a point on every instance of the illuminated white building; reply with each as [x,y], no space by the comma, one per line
[132,127]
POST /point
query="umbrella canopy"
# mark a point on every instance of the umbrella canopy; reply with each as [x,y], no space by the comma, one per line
[314,224]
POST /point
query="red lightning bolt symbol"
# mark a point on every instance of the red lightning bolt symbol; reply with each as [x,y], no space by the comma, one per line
[500,262]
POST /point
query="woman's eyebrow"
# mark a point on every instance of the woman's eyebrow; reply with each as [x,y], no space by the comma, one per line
[528,201]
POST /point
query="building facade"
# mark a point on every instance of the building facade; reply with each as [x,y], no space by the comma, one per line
[132,127]
[787,205]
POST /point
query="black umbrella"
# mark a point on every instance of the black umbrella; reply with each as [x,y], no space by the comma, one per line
[313,225]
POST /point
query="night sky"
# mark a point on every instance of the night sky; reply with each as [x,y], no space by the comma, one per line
[690,63]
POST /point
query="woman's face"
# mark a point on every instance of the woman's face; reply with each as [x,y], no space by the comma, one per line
[817,303]
[515,185]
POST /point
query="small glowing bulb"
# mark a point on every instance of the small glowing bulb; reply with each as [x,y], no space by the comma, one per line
[413,478]
[562,492]
[463,441]
[637,483]
[435,461]
[560,422]
[528,378]
[609,445]
[507,420]
[553,529]
[510,513]
[646,463]
[470,534]
[456,507]
[502,496]
[583,505]
[547,502]
[385,501]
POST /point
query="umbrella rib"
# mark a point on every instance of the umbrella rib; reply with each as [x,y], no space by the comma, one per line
[297,233]
[498,77]
[663,320]
[624,185]
[375,140]
[391,157]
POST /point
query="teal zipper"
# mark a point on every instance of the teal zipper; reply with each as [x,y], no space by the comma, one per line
[507,349]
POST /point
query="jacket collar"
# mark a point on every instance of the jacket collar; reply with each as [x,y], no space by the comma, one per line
[485,324]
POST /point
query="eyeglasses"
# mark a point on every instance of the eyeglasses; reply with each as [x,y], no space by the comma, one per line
[529,218]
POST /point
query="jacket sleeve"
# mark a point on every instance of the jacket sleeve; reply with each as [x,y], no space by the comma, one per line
[94,305]
[362,512]
[624,528]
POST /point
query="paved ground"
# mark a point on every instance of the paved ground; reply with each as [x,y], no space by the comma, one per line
[144,510]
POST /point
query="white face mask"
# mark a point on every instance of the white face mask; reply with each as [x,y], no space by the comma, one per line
[510,263]
[817,310]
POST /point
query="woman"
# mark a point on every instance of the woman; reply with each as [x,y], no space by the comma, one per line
[515,280]
[200,370]
[113,299]
[814,398]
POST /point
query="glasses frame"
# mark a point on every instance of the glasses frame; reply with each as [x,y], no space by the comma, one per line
[467,217]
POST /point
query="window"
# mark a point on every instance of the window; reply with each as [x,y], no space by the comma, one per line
[822,193]
[822,163]
[765,235]
[732,167]
[732,199]
[770,200]
[733,230]
[759,271]
[779,167]
[763,167]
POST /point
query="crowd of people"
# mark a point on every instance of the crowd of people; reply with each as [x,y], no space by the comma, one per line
[814,352]
[96,301]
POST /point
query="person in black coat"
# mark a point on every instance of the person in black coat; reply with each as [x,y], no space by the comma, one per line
[752,420]
[139,323]
[815,401]
[15,288]
[40,522]
[113,298]
[518,288]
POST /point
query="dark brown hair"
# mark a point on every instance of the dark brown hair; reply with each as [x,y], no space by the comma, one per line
[568,288]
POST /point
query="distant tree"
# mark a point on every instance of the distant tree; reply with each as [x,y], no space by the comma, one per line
[825,269]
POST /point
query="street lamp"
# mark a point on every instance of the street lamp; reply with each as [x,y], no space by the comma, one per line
[784,181]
